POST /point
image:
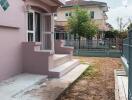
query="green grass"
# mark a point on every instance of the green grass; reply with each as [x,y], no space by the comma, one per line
[90,71]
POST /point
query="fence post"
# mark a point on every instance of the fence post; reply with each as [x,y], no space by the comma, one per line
[130,65]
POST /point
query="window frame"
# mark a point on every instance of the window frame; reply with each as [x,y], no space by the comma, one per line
[92,14]
[66,14]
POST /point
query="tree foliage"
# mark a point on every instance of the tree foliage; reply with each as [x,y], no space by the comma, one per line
[116,34]
[130,26]
[80,23]
[111,34]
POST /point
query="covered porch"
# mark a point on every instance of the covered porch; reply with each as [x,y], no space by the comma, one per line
[41,53]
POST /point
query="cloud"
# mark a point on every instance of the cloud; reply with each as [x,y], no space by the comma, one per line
[123,12]
[125,3]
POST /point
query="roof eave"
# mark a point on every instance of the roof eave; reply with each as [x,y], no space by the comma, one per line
[59,3]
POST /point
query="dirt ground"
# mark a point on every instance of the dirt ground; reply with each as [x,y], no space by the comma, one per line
[97,83]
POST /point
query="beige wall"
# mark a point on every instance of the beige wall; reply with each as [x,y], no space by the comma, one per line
[99,17]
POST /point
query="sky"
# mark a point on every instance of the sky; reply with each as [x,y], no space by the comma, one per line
[118,8]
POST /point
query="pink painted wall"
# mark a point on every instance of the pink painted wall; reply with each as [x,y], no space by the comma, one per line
[60,48]
[36,61]
[12,34]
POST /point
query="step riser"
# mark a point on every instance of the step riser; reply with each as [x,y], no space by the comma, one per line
[62,60]
[60,74]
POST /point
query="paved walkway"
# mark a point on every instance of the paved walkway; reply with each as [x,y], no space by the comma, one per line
[55,86]
[33,87]
[17,85]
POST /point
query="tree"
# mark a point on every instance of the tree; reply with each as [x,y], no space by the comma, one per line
[120,23]
[80,24]
[123,27]
[130,26]
[111,34]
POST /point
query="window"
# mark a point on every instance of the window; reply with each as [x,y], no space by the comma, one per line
[31,33]
[4,4]
[30,37]
[70,14]
[37,26]
[55,14]
[30,21]
[66,14]
[92,14]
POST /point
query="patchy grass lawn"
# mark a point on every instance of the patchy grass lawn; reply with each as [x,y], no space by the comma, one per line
[97,82]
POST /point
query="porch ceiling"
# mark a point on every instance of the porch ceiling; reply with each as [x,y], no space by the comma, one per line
[52,2]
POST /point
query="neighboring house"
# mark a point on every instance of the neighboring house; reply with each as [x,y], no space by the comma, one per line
[27,39]
[97,10]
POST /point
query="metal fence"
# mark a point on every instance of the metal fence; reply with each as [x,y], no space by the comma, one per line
[115,44]
[126,48]
[106,47]
[128,54]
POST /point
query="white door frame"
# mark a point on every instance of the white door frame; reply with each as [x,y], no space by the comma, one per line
[31,31]
[43,32]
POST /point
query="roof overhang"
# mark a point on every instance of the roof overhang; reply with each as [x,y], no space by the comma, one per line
[45,5]
[52,2]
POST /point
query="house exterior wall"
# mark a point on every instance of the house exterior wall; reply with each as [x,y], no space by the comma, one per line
[12,34]
[61,12]
[36,61]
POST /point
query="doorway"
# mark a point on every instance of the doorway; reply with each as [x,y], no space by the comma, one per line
[41,29]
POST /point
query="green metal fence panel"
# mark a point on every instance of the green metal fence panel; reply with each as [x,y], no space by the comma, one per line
[125,48]
[96,48]
[130,64]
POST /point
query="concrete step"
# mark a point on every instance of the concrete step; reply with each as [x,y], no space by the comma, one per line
[19,84]
[63,69]
[60,59]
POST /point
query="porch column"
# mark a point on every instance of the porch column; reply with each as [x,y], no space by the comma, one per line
[52,32]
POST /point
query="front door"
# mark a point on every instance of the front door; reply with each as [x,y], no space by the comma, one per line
[41,29]
[48,32]
[34,26]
